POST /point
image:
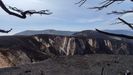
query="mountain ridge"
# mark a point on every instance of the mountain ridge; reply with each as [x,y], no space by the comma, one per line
[48,31]
[61,32]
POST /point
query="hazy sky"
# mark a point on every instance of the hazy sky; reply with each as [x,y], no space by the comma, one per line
[66,16]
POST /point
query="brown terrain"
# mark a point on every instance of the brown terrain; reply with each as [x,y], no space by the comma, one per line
[65,55]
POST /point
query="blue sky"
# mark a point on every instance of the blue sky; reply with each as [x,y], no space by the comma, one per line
[66,16]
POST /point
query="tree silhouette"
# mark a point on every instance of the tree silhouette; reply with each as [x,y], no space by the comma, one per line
[21,13]
[107,3]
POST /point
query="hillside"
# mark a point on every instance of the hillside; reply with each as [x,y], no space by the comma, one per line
[93,33]
[87,52]
[76,65]
[18,50]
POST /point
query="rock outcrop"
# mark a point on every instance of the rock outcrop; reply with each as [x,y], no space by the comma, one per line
[18,50]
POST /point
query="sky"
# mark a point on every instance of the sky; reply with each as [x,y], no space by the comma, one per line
[66,16]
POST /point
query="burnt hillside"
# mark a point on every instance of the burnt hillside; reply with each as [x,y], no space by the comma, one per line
[95,64]
[18,50]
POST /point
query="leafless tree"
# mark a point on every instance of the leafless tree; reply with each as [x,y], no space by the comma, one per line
[107,3]
[21,13]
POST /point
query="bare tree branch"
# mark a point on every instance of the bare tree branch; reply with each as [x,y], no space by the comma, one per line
[128,24]
[113,34]
[119,35]
[106,3]
[22,14]
[30,12]
[81,2]
[121,12]
[5,31]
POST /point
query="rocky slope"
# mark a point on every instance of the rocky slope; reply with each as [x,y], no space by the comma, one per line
[76,65]
[18,50]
